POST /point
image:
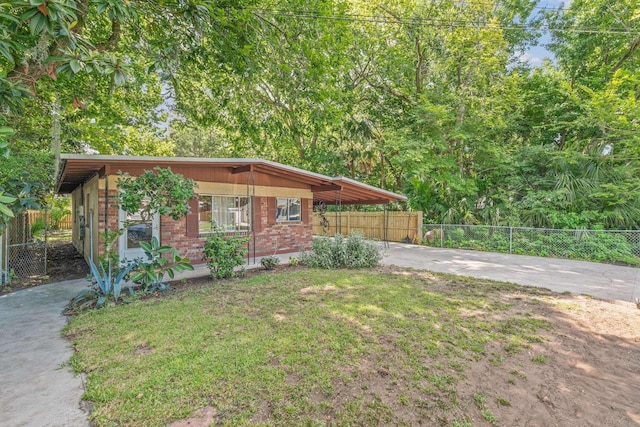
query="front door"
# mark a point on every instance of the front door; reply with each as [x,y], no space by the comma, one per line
[138,231]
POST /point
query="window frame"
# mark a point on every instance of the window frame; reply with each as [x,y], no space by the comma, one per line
[225,228]
[290,201]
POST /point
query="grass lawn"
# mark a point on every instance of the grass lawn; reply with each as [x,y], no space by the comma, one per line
[311,347]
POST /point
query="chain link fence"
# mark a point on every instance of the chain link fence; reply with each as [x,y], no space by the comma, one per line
[612,246]
[23,249]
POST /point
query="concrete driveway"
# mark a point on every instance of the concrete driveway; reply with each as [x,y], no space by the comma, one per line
[36,386]
[603,281]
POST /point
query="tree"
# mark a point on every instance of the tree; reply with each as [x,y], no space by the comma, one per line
[159,191]
[79,75]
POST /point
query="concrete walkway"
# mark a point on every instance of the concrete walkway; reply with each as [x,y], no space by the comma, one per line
[602,281]
[36,387]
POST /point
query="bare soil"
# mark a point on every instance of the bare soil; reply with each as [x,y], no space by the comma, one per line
[589,373]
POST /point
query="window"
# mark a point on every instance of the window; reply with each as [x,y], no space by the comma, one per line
[138,231]
[229,213]
[288,210]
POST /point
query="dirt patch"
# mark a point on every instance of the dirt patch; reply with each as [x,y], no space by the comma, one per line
[586,370]
[203,417]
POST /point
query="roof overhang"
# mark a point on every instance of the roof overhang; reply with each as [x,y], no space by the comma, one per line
[76,169]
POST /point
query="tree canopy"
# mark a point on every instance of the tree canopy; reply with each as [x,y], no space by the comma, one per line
[433,99]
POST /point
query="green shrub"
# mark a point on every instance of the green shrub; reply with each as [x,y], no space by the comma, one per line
[106,283]
[269,262]
[150,273]
[353,251]
[224,252]
[37,229]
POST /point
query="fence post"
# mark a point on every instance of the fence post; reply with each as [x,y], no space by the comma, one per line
[441,236]
[510,239]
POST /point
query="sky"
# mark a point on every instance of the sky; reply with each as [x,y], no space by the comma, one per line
[536,54]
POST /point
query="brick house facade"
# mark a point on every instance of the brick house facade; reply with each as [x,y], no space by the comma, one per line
[92,183]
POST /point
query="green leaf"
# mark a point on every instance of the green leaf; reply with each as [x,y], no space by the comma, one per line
[146,247]
[37,24]
[7,199]
[6,211]
[75,65]
[119,78]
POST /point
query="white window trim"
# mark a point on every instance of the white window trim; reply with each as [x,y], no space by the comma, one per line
[211,196]
[289,220]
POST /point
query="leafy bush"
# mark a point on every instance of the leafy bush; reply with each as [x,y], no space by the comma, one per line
[224,252]
[59,208]
[351,252]
[37,229]
[269,262]
[150,274]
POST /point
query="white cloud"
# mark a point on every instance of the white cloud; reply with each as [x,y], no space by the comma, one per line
[528,58]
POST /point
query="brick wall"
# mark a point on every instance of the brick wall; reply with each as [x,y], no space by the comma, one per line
[112,217]
[281,237]
[268,237]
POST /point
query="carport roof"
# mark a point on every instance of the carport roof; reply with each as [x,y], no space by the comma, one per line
[76,169]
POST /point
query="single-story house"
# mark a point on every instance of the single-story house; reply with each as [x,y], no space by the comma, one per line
[271,202]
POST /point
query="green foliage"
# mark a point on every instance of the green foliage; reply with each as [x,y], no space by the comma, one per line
[156,192]
[5,209]
[110,256]
[455,119]
[18,191]
[37,227]
[224,252]
[161,261]
[59,207]
[106,283]
[597,246]
[270,262]
[17,195]
[340,252]
[4,146]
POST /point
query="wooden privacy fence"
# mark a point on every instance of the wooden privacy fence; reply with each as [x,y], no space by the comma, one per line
[399,225]
[65,223]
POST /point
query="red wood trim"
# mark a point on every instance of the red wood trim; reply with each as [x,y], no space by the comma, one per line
[325,187]
[193,222]
[305,206]
[257,214]
[240,169]
[271,210]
